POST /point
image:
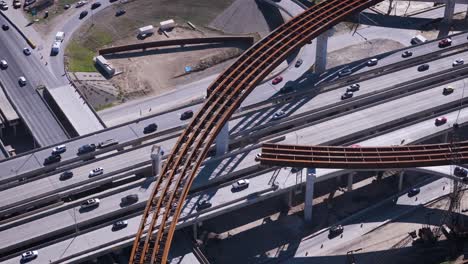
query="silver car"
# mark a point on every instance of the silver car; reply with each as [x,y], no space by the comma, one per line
[96,172]
[90,203]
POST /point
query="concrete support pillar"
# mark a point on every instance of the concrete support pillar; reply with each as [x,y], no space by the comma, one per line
[156,157]
[309,195]
[14,130]
[400,180]
[445,137]
[222,141]
[350,180]
[321,52]
[195,231]
[449,10]
[290,198]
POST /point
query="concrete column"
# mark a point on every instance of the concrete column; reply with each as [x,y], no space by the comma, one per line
[156,156]
[400,180]
[222,141]
[321,52]
[350,181]
[445,137]
[195,231]
[309,195]
[449,10]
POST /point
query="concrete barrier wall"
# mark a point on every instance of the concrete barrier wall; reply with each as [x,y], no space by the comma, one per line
[175,42]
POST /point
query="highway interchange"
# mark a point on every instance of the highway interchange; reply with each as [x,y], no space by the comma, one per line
[364,123]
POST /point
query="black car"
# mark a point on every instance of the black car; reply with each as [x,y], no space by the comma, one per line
[86,149]
[298,63]
[460,172]
[335,231]
[150,128]
[5,27]
[186,115]
[52,159]
[423,67]
[203,204]
[83,14]
[407,54]
[345,72]
[129,199]
[95,5]
[413,192]
[66,175]
[112,1]
[120,12]
[119,225]
[353,87]
[286,89]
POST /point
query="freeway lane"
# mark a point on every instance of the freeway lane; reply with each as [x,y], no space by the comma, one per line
[103,235]
[41,122]
[337,126]
[26,163]
[338,129]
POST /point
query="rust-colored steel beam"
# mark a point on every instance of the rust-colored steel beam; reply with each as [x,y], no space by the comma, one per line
[224,96]
[363,157]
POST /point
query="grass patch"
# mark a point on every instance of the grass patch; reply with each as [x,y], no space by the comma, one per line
[80,58]
[102,107]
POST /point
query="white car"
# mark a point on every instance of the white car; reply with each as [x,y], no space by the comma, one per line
[458,62]
[90,203]
[59,149]
[3,5]
[241,184]
[81,3]
[29,255]
[372,62]
[27,51]
[3,64]
[22,81]
[96,172]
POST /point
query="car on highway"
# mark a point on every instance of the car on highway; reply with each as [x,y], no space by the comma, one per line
[460,172]
[27,51]
[87,148]
[67,6]
[258,156]
[458,62]
[347,95]
[95,5]
[203,204]
[372,62]
[119,225]
[286,89]
[29,255]
[335,231]
[66,175]
[120,12]
[413,192]
[407,54]
[129,199]
[22,81]
[107,143]
[52,159]
[440,121]
[96,172]
[445,42]
[423,67]
[93,202]
[447,90]
[112,1]
[277,80]
[278,115]
[150,128]
[298,63]
[295,169]
[186,115]
[5,27]
[353,87]
[59,149]
[83,14]
[3,5]
[240,184]
[345,72]
[3,64]
[81,3]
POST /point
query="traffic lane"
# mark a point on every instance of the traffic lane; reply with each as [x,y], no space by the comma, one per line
[374,218]
[373,116]
[218,197]
[420,50]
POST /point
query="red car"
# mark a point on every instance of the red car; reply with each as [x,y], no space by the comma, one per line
[445,42]
[277,80]
[440,121]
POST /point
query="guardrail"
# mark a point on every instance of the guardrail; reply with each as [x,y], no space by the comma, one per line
[175,42]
